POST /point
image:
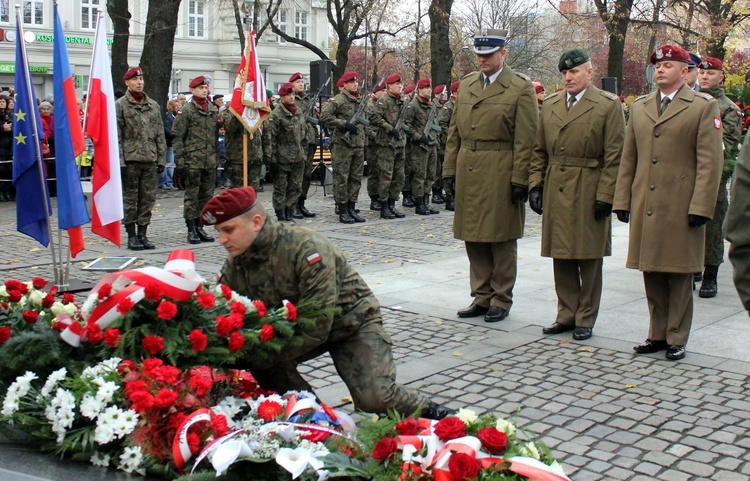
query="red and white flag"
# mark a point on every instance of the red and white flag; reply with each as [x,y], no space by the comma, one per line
[101,128]
[250,103]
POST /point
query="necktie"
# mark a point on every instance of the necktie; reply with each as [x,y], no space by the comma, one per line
[571,101]
[664,104]
[485,82]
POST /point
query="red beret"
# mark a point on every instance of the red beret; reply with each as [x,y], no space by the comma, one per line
[296,76]
[286,89]
[133,72]
[340,83]
[348,76]
[423,82]
[711,63]
[538,86]
[380,86]
[454,86]
[438,90]
[392,79]
[409,89]
[228,205]
[197,81]
[670,52]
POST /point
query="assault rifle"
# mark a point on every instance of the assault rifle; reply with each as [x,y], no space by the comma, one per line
[311,108]
[400,122]
[358,116]
[430,125]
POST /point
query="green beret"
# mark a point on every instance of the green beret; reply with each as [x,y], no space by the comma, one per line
[573,58]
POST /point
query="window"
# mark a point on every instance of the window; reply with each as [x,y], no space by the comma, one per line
[196,18]
[88,14]
[281,23]
[5,11]
[300,25]
[33,12]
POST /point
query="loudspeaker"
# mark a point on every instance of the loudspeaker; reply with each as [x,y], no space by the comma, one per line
[609,84]
[320,71]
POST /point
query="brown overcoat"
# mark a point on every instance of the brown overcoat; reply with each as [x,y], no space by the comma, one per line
[575,160]
[489,145]
[670,168]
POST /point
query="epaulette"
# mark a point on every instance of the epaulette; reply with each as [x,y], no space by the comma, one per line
[704,95]
[522,75]
[609,95]
[640,98]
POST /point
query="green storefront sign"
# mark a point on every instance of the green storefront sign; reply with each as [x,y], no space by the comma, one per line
[48,37]
[10,68]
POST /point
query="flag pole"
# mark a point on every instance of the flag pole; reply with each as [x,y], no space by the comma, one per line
[99,13]
[35,128]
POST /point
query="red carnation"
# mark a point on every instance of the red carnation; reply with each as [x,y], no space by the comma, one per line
[450,428]
[153,344]
[4,334]
[236,320]
[223,326]
[124,306]
[166,310]
[385,449]
[38,282]
[112,337]
[14,295]
[463,467]
[238,308]
[94,333]
[266,332]
[153,292]
[260,307]
[165,398]
[493,440]
[152,366]
[167,374]
[68,298]
[292,311]
[194,442]
[104,291]
[408,427]
[30,316]
[48,300]
[269,410]
[226,291]
[219,425]
[198,340]
[201,384]
[142,400]
[206,300]
[236,341]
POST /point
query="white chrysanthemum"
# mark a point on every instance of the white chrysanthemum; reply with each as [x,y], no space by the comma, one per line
[106,391]
[36,297]
[466,415]
[18,389]
[91,406]
[10,404]
[530,450]
[57,308]
[104,367]
[124,423]
[70,309]
[52,381]
[130,459]
[506,427]
[245,301]
[100,459]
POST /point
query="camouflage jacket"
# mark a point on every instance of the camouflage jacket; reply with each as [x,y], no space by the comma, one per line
[370,131]
[302,104]
[337,112]
[384,118]
[233,140]
[284,136]
[196,136]
[416,117]
[298,264]
[731,121]
[141,130]
[444,121]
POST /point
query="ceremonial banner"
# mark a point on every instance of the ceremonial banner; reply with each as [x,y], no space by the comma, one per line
[249,100]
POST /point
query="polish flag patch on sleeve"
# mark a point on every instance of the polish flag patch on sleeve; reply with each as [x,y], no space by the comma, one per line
[717,123]
[314,258]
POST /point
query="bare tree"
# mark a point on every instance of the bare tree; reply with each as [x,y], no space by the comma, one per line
[120,15]
[440,47]
[254,24]
[158,47]
[616,17]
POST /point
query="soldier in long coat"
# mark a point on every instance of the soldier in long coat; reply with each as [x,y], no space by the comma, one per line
[667,187]
[738,225]
[487,156]
[573,172]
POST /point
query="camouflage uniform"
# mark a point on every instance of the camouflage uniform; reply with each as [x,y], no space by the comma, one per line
[423,156]
[310,144]
[371,153]
[348,160]
[284,143]
[390,159]
[233,141]
[196,146]
[295,263]
[444,121]
[142,148]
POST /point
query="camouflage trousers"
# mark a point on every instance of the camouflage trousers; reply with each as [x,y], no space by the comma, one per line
[139,192]
[234,172]
[199,189]
[438,185]
[365,363]
[408,166]
[423,169]
[391,172]
[714,228]
[307,170]
[348,164]
[287,185]
[373,178]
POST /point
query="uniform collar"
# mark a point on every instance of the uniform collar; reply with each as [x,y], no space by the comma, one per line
[261,247]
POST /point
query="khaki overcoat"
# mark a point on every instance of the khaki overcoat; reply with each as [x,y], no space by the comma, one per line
[489,145]
[575,160]
[670,168]
[738,224]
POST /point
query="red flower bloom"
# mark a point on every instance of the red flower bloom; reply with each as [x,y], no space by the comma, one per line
[104,291]
[14,295]
[59,326]
[463,467]
[12,284]
[133,386]
[30,316]
[219,425]
[112,337]
[239,308]
[166,310]
[68,298]
[206,300]
[48,300]
[153,292]
[450,428]
[165,398]
[151,367]
[266,332]
[236,341]
[316,436]
[269,410]
[126,366]
[38,282]
[194,442]
[385,449]
[94,333]
[153,344]
[223,326]
[408,427]
[124,306]
[260,307]
[236,320]
[493,440]
[292,311]
[201,384]
[4,334]
[142,400]
[226,291]
[167,374]
[198,340]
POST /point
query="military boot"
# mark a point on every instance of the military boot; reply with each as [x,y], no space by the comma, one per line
[281,215]
[385,212]
[709,287]
[354,213]
[408,199]
[295,212]
[134,243]
[392,208]
[375,204]
[450,203]
[202,235]
[288,215]
[192,235]
[419,207]
[428,206]
[147,244]
[344,216]
[437,196]
[303,210]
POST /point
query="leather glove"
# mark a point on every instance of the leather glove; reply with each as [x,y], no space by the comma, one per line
[697,220]
[350,127]
[274,169]
[424,140]
[449,184]
[602,210]
[159,169]
[622,215]
[535,200]
[519,194]
[396,134]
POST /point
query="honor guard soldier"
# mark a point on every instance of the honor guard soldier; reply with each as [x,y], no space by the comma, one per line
[423,148]
[711,79]
[408,200]
[302,102]
[233,139]
[487,166]
[143,154]
[347,147]
[371,151]
[573,173]
[444,120]
[196,153]
[666,188]
[437,186]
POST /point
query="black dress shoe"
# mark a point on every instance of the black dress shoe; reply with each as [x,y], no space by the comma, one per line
[675,353]
[473,310]
[495,314]
[582,333]
[557,328]
[650,347]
